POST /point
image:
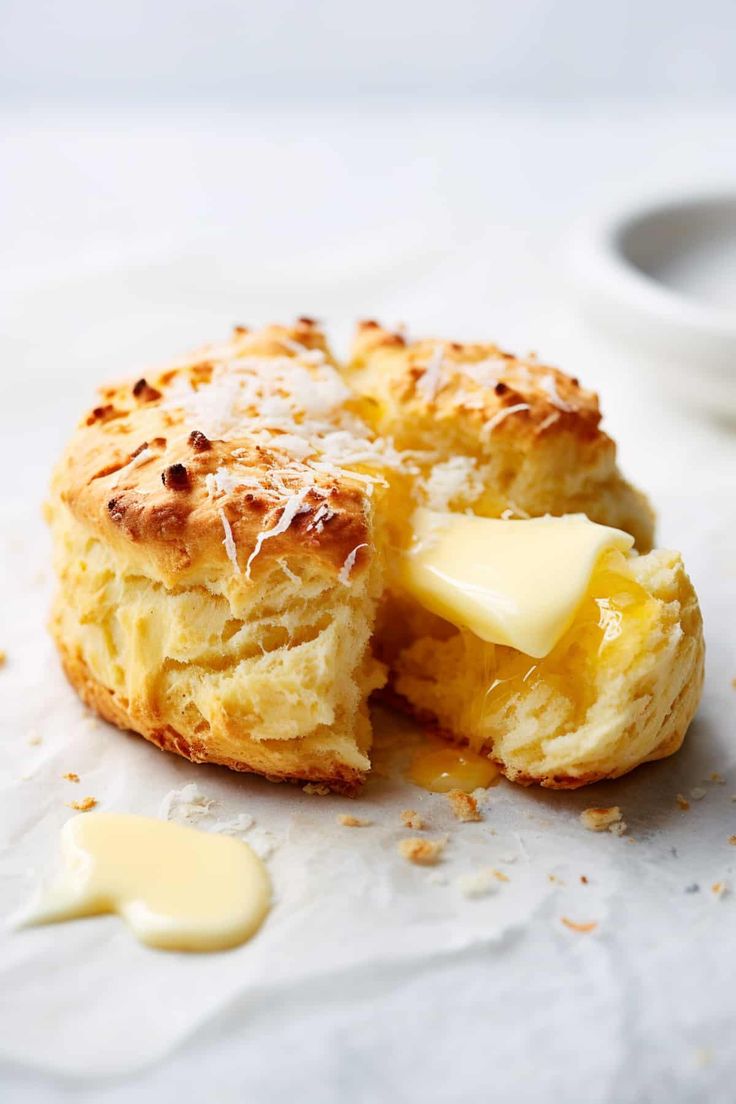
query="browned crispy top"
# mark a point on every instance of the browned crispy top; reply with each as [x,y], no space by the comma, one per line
[478,385]
[228,459]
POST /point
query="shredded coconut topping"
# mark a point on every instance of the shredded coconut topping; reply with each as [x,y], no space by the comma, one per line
[548,384]
[503,414]
[349,564]
[486,373]
[140,458]
[294,505]
[429,384]
[229,542]
[322,514]
[451,479]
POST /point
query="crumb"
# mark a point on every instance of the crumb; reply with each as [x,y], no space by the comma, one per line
[697,793]
[583,879]
[34,739]
[479,884]
[573,926]
[84,805]
[732,840]
[554,879]
[704,1056]
[717,778]
[464,806]
[500,876]
[352,821]
[70,776]
[618,828]
[412,819]
[719,889]
[424,852]
[316,789]
[3,657]
[683,802]
[733,683]
[600,820]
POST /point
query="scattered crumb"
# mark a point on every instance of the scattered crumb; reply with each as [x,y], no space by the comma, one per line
[600,820]
[186,804]
[263,842]
[573,926]
[732,840]
[412,819]
[70,776]
[3,657]
[233,827]
[583,879]
[352,821]
[464,805]
[733,683]
[554,879]
[683,802]
[481,883]
[719,889]
[703,1056]
[316,789]
[500,876]
[717,778]
[33,738]
[424,852]
[698,793]
[84,805]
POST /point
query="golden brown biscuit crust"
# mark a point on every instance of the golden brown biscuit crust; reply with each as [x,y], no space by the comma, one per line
[480,382]
[533,432]
[136,473]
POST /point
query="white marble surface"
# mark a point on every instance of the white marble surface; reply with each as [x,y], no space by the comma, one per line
[129,238]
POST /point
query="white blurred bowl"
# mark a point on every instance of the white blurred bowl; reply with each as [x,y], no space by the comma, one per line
[661,276]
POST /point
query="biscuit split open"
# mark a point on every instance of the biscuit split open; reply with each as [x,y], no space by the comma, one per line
[226,536]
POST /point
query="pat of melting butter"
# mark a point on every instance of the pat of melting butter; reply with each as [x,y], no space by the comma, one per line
[517,583]
[176,888]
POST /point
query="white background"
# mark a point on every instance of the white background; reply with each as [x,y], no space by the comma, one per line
[252,50]
[168,170]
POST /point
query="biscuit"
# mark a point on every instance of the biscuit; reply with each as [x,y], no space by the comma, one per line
[217,593]
[225,531]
